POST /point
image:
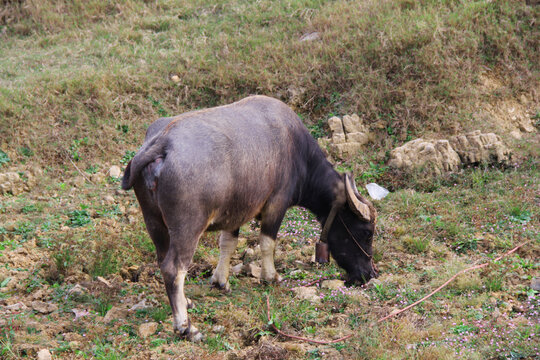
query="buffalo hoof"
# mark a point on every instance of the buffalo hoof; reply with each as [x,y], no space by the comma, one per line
[223,286]
[272,279]
[190,333]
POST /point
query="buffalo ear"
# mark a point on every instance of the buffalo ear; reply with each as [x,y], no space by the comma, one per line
[358,204]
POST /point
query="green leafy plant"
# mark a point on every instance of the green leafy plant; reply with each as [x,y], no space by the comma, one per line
[78,218]
[128,155]
[4,158]
[75,148]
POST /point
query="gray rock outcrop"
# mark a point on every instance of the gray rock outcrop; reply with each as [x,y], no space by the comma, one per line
[438,156]
[347,135]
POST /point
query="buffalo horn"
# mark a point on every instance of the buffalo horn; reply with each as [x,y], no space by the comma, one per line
[354,199]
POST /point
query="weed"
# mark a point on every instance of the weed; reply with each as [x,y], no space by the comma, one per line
[75,147]
[93,169]
[102,305]
[124,128]
[4,158]
[102,350]
[218,343]
[520,215]
[127,157]
[374,172]
[78,218]
[26,152]
[157,105]
[415,245]
[464,245]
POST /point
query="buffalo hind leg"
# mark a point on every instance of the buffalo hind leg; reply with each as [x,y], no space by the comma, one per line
[174,269]
[227,246]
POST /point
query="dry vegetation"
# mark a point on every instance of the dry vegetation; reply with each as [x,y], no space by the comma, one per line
[81,80]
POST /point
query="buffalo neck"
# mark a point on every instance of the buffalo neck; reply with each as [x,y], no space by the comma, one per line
[319,189]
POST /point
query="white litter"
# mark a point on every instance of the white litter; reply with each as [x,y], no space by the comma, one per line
[376,192]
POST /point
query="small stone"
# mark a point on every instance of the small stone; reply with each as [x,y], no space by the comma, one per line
[237,269]
[253,270]
[115,171]
[332,284]
[516,134]
[218,328]
[307,293]
[43,307]
[16,307]
[312,36]
[104,281]
[175,79]
[133,210]
[249,252]
[147,329]
[44,354]
[10,227]
[138,306]
[115,313]
[108,199]
[535,284]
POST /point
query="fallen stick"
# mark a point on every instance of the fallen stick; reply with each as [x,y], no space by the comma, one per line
[448,281]
[322,342]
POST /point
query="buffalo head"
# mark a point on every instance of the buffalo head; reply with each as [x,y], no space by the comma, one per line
[350,236]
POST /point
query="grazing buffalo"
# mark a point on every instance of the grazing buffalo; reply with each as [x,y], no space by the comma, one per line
[216,169]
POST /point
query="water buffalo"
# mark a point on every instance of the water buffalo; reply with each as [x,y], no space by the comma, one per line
[216,169]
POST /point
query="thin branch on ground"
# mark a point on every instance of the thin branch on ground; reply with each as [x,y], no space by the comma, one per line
[448,281]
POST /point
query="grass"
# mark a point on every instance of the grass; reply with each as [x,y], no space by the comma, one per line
[96,73]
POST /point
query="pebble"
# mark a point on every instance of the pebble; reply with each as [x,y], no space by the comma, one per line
[115,171]
[147,329]
[44,354]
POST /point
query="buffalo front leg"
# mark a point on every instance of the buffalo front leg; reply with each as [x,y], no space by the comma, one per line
[174,270]
[268,269]
[227,246]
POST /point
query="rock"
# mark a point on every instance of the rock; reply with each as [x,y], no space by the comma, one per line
[218,328]
[535,284]
[253,270]
[115,171]
[434,156]
[249,252]
[138,306]
[307,293]
[104,281]
[516,134]
[348,136]
[11,182]
[526,125]
[80,313]
[44,354]
[312,36]
[115,313]
[108,199]
[332,284]
[16,307]
[77,290]
[147,329]
[43,307]
[175,79]
[237,269]
[10,227]
[475,147]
